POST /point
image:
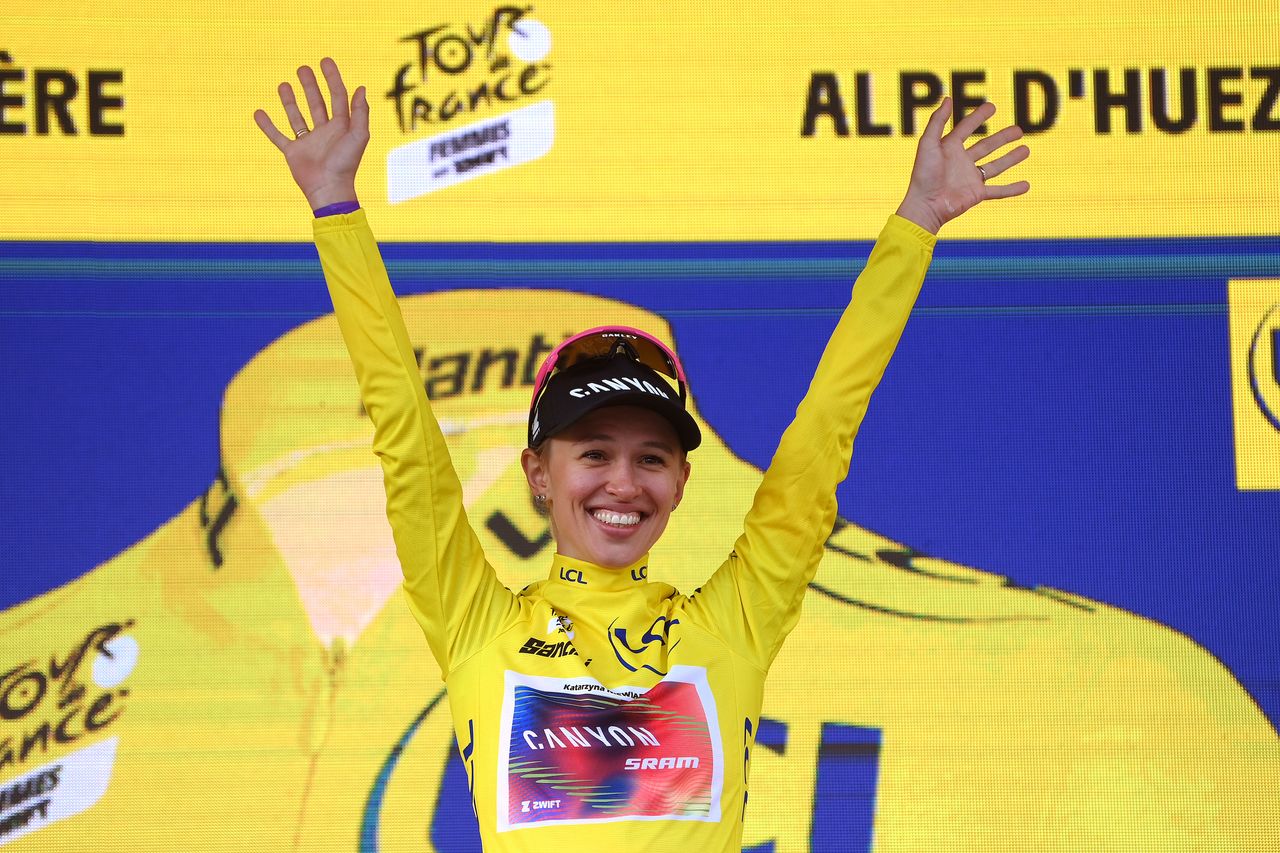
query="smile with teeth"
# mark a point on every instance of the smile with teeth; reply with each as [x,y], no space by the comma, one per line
[616,519]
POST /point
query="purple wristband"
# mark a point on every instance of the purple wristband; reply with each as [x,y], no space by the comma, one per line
[336,208]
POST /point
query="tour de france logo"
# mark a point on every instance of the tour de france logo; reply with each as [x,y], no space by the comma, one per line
[459,75]
[58,736]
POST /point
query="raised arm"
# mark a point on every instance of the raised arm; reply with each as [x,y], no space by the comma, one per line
[453,592]
[756,595]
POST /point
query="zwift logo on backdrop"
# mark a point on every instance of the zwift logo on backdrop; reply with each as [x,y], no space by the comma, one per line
[460,71]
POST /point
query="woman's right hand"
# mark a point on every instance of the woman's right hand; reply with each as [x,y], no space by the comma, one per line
[323,159]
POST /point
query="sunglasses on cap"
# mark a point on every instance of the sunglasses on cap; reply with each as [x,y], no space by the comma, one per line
[606,342]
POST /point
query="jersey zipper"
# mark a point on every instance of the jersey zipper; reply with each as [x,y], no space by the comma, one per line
[319,723]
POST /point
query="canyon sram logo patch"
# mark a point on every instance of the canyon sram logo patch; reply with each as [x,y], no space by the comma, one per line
[578,752]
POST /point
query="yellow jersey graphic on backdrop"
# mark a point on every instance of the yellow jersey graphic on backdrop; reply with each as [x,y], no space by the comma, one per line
[1254,307]
[247,677]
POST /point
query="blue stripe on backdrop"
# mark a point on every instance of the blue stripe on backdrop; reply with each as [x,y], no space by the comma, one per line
[1059,411]
[844,804]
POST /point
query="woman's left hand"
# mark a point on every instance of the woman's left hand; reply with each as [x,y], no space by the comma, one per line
[947,179]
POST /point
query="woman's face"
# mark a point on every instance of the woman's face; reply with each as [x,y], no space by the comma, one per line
[611,481]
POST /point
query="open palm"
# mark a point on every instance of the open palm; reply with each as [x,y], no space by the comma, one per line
[324,158]
[946,179]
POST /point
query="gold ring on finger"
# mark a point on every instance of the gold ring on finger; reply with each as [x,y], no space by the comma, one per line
[982,172]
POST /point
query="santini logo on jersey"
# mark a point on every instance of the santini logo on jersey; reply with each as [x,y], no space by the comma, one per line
[623,383]
[668,763]
[534,646]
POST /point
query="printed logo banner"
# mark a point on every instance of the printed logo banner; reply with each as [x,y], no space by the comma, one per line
[239,659]
[711,121]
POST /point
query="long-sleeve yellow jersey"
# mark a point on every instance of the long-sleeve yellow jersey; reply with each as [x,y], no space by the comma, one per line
[597,708]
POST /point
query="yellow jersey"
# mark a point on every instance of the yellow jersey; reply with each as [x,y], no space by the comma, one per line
[599,708]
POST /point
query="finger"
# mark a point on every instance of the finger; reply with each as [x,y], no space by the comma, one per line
[360,111]
[296,122]
[965,127]
[337,89]
[273,133]
[995,141]
[315,101]
[938,120]
[1008,190]
[1003,163]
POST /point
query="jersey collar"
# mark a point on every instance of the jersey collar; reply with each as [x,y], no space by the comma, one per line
[582,576]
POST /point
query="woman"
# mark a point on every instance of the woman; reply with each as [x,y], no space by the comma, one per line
[598,707]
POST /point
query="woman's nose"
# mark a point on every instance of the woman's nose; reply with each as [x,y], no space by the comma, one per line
[622,482]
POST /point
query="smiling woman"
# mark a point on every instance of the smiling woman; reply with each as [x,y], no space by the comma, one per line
[624,729]
[610,482]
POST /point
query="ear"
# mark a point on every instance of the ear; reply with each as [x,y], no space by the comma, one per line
[535,471]
[684,478]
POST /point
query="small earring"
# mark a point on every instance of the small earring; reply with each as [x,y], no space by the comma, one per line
[540,499]
[673,507]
